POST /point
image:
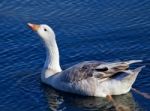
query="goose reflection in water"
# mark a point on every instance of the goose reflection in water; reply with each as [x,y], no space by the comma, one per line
[65,102]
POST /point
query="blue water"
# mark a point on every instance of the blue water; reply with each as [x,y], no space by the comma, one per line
[106,30]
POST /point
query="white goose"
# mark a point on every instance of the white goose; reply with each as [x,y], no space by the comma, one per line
[90,78]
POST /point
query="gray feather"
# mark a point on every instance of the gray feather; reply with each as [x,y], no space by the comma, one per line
[95,69]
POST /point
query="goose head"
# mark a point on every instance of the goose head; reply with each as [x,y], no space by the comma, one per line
[43,30]
[52,65]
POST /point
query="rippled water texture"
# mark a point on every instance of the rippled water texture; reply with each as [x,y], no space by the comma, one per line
[105,30]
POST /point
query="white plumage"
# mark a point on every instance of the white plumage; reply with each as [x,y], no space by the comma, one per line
[91,78]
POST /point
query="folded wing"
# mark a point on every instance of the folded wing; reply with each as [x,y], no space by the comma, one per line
[94,69]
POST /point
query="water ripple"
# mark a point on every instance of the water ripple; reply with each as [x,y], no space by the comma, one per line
[86,30]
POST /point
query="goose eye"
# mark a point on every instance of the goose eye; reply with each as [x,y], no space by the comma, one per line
[45,29]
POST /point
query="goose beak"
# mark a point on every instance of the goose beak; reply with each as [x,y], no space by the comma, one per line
[34,27]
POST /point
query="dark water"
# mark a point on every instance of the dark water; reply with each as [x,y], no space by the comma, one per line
[106,30]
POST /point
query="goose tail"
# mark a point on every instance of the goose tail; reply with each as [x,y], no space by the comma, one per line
[133,61]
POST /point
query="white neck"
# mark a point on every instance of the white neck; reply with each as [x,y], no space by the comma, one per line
[52,65]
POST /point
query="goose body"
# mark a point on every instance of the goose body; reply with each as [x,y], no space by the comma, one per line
[89,78]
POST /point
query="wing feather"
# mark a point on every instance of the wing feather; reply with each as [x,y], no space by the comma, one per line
[95,69]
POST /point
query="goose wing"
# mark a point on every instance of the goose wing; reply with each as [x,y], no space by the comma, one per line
[94,69]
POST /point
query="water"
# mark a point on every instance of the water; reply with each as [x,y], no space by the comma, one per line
[86,30]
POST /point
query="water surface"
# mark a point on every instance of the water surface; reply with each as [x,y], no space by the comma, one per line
[86,30]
